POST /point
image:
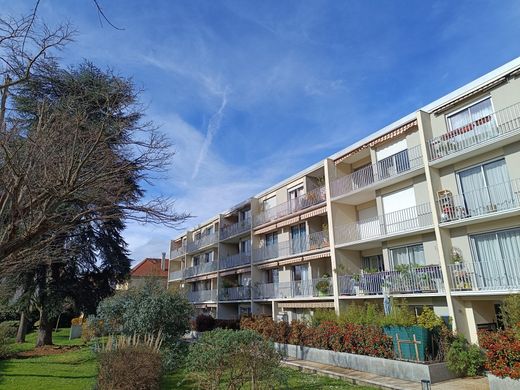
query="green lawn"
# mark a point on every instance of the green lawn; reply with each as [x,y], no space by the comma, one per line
[71,370]
[76,370]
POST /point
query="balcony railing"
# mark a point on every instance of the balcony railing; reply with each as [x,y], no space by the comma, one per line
[177,252]
[203,268]
[311,198]
[202,296]
[496,275]
[400,221]
[427,279]
[295,289]
[235,229]
[397,164]
[500,123]
[236,260]
[313,241]
[203,241]
[487,200]
[235,293]
[176,275]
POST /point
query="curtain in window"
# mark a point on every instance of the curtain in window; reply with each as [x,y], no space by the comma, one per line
[459,120]
[416,255]
[509,242]
[499,187]
[475,197]
[399,256]
[481,117]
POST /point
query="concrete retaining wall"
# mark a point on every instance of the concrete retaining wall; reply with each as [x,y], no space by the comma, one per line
[436,372]
[496,383]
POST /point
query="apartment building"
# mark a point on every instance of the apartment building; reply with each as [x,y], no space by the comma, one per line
[425,209]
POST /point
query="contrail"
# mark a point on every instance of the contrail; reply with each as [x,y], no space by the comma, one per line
[213,126]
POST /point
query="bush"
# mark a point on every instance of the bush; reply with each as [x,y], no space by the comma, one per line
[227,324]
[464,358]
[510,311]
[264,325]
[92,327]
[502,350]
[148,310]
[400,315]
[429,320]
[134,367]
[9,328]
[4,344]
[233,358]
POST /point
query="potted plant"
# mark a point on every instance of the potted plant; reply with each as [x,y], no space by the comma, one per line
[323,286]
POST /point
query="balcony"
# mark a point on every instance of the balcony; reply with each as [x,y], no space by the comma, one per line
[500,275]
[202,296]
[295,289]
[492,201]
[310,242]
[427,279]
[382,173]
[177,252]
[241,293]
[495,128]
[235,260]
[203,268]
[175,275]
[235,229]
[202,242]
[311,198]
[392,224]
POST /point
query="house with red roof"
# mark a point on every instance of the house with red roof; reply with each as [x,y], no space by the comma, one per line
[148,269]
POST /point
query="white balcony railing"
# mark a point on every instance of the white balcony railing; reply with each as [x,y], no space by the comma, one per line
[487,200]
[177,252]
[401,221]
[313,241]
[235,229]
[496,275]
[311,198]
[395,165]
[235,293]
[427,279]
[236,260]
[203,268]
[295,289]
[202,296]
[176,275]
[498,124]
[203,241]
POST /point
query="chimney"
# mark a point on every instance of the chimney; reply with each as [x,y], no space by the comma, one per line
[163,261]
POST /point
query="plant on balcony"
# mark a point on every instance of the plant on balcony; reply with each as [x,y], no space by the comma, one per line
[323,285]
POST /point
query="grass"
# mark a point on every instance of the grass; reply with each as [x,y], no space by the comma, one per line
[71,370]
[296,380]
[77,370]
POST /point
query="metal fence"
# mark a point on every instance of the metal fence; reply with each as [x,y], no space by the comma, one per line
[294,289]
[235,293]
[235,229]
[235,260]
[498,275]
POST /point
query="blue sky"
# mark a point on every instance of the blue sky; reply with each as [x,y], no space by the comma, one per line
[250,92]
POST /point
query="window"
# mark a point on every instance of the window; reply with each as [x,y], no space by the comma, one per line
[485,188]
[392,159]
[245,246]
[196,260]
[301,272]
[244,279]
[373,262]
[197,235]
[269,203]
[208,257]
[298,235]
[412,255]
[208,231]
[294,198]
[271,239]
[496,255]
[244,215]
[472,117]
[272,275]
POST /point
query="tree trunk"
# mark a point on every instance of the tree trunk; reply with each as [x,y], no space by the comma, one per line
[22,328]
[45,329]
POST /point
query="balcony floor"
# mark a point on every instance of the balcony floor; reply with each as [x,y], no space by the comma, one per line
[380,296]
[372,242]
[308,253]
[367,193]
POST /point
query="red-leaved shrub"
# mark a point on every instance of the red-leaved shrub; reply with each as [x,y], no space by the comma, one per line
[502,352]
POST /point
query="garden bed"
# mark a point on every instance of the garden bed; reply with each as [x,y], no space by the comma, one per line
[434,372]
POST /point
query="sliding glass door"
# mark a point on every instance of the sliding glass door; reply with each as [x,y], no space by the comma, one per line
[497,257]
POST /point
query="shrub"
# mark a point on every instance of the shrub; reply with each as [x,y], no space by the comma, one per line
[429,320]
[297,333]
[204,323]
[366,340]
[148,310]
[92,327]
[133,367]
[502,350]
[510,311]
[233,358]
[9,328]
[464,358]
[368,314]
[322,315]
[4,344]
[400,315]
[227,324]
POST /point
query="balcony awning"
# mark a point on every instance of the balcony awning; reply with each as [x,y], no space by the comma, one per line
[203,277]
[272,264]
[316,256]
[313,213]
[394,133]
[266,229]
[291,261]
[288,222]
[305,305]
[204,305]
